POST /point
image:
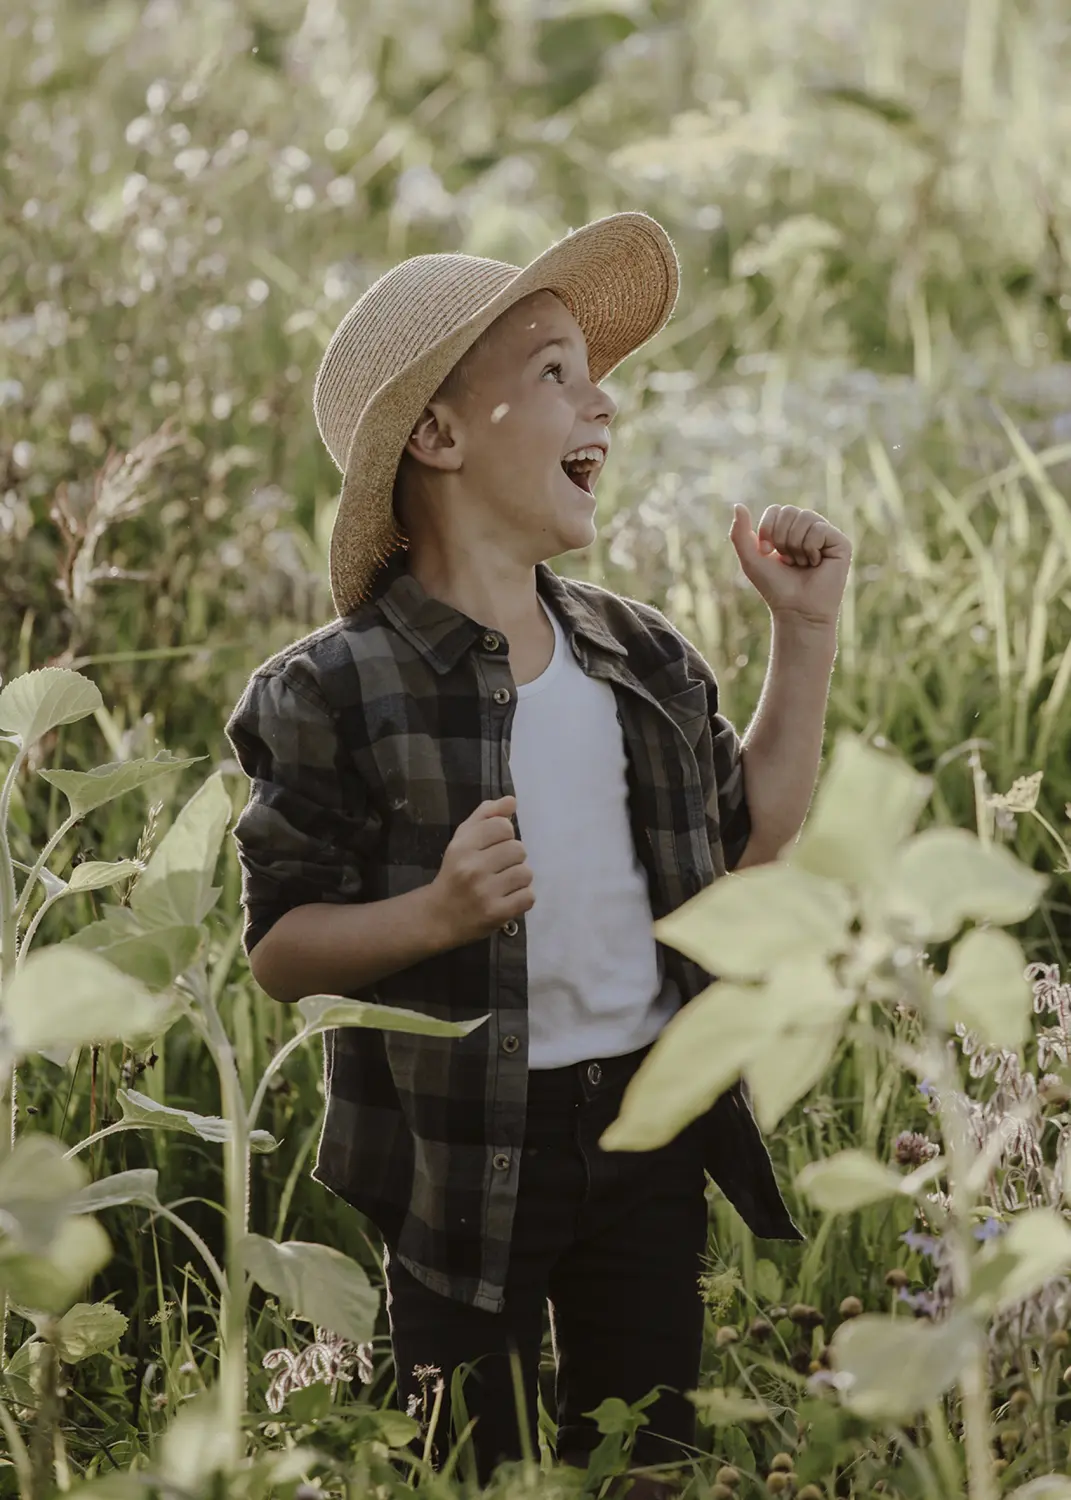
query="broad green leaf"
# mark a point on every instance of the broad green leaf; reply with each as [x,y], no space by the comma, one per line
[175,889]
[95,875]
[805,1007]
[700,1052]
[38,1185]
[946,876]
[156,956]
[86,790]
[866,806]
[744,926]
[724,1408]
[64,998]
[317,1283]
[88,1328]
[51,1282]
[848,1181]
[197,1445]
[767,1282]
[136,1186]
[327,1011]
[1020,1261]
[25,1371]
[893,1367]
[985,988]
[38,701]
[139,1109]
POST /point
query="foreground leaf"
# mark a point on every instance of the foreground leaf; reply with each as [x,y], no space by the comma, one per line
[1019,1262]
[892,1368]
[986,989]
[848,1181]
[156,956]
[38,1186]
[317,1283]
[746,925]
[51,1282]
[139,1109]
[176,887]
[724,1408]
[866,806]
[805,1006]
[88,1328]
[86,790]
[197,1445]
[36,702]
[94,875]
[699,1053]
[945,877]
[323,1012]
[64,998]
[136,1186]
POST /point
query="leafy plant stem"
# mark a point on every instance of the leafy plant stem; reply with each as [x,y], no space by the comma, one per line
[99,1135]
[9,941]
[48,1414]
[19,1456]
[39,864]
[1051,831]
[942,1448]
[273,1067]
[31,931]
[197,1242]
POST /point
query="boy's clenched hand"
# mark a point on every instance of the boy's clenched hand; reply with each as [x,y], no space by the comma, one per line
[485,878]
[797,560]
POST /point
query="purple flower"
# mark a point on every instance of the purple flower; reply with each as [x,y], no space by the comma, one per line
[926,1089]
[925,1244]
[988,1229]
[924,1304]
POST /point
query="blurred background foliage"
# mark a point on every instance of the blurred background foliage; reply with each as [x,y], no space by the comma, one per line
[872,204]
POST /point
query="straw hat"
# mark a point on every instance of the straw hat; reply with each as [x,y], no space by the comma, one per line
[618,277]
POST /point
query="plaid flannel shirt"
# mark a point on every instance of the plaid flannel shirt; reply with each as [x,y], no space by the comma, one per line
[367,743]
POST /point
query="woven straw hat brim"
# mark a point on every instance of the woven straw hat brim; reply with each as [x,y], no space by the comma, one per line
[618,277]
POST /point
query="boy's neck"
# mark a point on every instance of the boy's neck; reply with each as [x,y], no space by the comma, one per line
[500,594]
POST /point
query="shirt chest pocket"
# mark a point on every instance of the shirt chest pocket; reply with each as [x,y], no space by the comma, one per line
[689,711]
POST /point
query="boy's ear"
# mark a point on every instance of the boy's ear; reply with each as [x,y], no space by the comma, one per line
[435,441]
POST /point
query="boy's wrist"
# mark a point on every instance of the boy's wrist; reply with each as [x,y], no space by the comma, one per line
[432,918]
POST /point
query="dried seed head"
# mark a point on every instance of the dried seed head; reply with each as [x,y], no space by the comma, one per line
[781,1463]
[777,1482]
[1018,1400]
[1060,1339]
[760,1329]
[726,1336]
[720,1492]
[851,1307]
[728,1476]
[896,1279]
[806,1316]
[776,1313]
[811,1492]
[911,1148]
[1008,1440]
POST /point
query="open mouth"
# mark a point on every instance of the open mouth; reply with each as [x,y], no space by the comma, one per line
[582,468]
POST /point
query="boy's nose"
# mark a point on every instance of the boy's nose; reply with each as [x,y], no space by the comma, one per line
[603,406]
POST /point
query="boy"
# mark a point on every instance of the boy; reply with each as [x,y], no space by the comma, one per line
[466,698]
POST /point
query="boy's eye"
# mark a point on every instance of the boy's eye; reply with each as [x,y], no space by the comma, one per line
[556,367]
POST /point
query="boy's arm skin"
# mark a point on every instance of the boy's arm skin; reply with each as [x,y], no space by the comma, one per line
[799,563]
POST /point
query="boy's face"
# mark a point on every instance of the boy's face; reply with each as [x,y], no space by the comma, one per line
[518,405]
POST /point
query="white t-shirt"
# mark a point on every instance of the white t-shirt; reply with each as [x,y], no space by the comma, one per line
[596,986]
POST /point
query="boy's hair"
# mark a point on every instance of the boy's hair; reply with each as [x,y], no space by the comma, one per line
[455,387]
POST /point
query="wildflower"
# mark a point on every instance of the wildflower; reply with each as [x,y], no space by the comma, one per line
[1021,796]
[328,1360]
[925,1244]
[922,1304]
[911,1149]
[988,1229]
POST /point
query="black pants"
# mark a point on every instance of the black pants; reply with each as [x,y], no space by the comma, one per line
[613,1240]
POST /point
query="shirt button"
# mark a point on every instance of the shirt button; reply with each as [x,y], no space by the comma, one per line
[491,641]
[594,1073]
[501,1161]
[510,1043]
[510,928]
[501,695]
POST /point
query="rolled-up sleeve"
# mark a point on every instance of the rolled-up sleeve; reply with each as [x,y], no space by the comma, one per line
[307,823]
[734,817]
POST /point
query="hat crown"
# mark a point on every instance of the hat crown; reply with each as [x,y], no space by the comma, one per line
[399,319]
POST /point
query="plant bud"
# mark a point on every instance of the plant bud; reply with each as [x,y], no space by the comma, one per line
[728,1476]
[760,1329]
[806,1316]
[811,1492]
[851,1307]
[720,1492]
[1019,1399]
[781,1463]
[777,1482]
[1060,1339]
[726,1336]
[896,1279]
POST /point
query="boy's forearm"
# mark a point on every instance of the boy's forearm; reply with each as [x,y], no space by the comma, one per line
[782,747]
[331,949]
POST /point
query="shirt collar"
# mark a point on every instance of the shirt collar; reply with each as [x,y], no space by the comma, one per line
[443,634]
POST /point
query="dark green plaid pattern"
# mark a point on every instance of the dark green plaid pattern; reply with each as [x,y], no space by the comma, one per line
[367,743]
